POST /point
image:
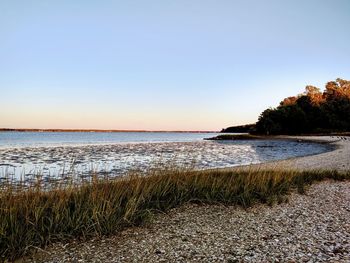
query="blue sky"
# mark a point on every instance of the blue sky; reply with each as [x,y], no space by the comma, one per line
[163,65]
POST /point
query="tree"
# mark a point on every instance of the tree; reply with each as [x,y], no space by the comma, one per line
[315,95]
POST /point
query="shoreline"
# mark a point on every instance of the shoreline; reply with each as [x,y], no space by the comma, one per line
[310,227]
[336,159]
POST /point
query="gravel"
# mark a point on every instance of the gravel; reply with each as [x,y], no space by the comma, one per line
[309,228]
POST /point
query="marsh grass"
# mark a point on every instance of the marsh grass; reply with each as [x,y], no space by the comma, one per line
[35,217]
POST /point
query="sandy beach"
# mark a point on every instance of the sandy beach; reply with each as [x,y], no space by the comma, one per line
[314,227]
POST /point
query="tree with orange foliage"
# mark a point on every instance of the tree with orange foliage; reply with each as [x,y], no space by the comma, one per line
[289,101]
[337,89]
[315,95]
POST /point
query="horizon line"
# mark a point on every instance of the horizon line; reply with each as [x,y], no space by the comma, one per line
[99,130]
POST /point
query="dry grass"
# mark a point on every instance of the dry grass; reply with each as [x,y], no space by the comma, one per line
[35,217]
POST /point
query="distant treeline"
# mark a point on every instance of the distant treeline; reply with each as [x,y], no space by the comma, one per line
[308,113]
[64,130]
[311,112]
[240,129]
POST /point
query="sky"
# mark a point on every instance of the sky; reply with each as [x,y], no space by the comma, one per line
[163,65]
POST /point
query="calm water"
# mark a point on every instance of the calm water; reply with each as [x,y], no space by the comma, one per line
[35,139]
[24,155]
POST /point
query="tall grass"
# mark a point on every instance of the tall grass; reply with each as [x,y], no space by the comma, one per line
[34,217]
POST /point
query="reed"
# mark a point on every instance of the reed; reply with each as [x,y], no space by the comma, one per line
[35,217]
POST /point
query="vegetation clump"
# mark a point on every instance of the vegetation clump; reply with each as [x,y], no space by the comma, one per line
[223,137]
[240,129]
[36,217]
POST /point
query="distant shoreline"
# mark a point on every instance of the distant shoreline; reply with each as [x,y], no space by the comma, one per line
[92,130]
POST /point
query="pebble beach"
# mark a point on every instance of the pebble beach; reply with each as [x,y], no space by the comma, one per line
[309,228]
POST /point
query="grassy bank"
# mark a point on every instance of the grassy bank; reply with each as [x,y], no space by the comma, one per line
[34,217]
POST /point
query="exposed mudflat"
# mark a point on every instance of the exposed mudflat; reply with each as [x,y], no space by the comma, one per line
[117,159]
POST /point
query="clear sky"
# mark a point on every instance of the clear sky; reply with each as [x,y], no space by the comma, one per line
[163,65]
